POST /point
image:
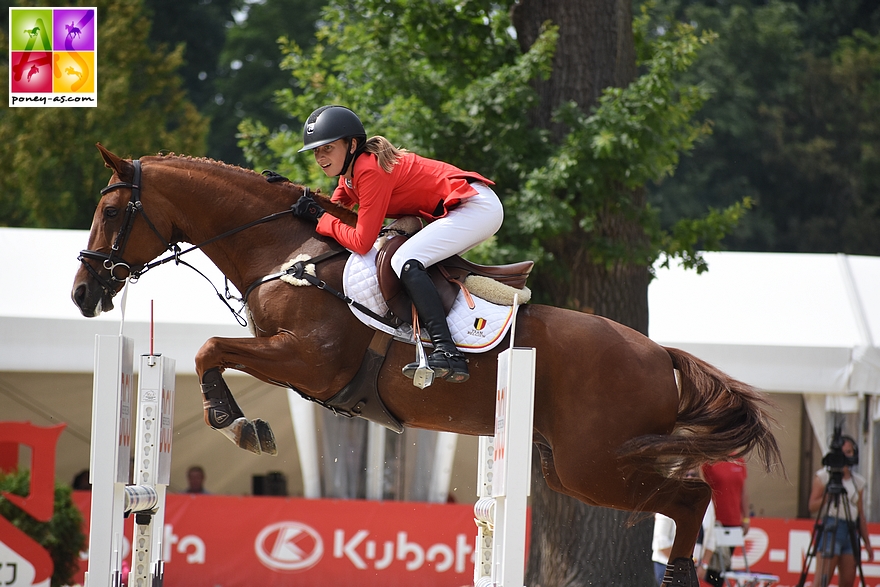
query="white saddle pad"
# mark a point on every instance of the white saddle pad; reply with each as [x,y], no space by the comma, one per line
[473,331]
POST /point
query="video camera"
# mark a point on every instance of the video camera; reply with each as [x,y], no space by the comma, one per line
[836,459]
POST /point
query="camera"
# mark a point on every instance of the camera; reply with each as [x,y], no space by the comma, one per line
[836,459]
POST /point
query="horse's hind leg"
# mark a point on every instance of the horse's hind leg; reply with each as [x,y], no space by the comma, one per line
[685,501]
[223,414]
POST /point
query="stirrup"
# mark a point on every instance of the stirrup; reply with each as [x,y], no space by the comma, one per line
[451,367]
[421,374]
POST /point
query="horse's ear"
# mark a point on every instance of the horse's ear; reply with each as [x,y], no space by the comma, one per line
[120,166]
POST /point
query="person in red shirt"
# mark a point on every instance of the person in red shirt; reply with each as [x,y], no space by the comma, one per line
[728,482]
[386,182]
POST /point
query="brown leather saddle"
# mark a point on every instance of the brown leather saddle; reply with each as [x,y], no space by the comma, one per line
[448,277]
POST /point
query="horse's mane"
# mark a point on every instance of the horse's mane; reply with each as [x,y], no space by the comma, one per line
[344,214]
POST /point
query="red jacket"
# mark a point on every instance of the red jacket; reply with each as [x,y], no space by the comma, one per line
[415,187]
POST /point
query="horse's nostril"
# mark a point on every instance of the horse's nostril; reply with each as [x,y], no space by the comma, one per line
[79,295]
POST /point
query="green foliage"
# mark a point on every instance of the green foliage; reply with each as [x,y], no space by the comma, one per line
[247,71]
[444,79]
[61,536]
[50,173]
[198,31]
[794,113]
[633,136]
[460,90]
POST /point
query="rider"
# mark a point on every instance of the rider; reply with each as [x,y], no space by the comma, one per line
[385,182]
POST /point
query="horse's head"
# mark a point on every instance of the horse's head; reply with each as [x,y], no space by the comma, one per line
[120,243]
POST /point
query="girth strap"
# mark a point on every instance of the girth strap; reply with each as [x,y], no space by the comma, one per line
[298,270]
[360,398]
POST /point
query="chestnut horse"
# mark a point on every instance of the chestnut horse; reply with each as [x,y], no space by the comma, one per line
[618,418]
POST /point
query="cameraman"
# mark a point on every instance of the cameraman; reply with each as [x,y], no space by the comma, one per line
[842,557]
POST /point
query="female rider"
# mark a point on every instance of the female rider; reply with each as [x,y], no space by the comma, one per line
[385,182]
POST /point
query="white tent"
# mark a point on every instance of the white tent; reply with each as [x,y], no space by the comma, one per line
[42,330]
[782,322]
[785,323]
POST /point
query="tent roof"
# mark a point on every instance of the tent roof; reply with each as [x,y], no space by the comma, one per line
[782,322]
[44,331]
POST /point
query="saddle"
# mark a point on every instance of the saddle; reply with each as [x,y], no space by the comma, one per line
[448,276]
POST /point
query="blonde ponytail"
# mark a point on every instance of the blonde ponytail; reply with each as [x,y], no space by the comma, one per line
[385,152]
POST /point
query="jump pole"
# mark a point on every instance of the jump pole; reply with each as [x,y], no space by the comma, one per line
[113,499]
[504,474]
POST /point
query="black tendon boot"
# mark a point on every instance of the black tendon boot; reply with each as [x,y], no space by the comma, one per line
[680,573]
[219,405]
[446,361]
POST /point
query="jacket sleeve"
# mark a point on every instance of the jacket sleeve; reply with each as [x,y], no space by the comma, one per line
[374,190]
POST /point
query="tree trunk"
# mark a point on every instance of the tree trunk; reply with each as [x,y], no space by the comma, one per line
[595,50]
[573,544]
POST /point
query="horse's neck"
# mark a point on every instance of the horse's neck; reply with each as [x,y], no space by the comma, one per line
[211,199]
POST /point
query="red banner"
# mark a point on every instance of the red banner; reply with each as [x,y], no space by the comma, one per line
[778,547]
[268,541]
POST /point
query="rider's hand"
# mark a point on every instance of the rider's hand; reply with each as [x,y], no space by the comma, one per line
[307,208]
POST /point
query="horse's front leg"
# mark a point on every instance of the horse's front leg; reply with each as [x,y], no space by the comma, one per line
[265,358]
[223,414]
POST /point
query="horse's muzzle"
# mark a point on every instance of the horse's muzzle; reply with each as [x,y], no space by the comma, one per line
[91,298]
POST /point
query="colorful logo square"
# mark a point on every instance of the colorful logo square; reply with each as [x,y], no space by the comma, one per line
[53,57]
[30,30]
[74,71]
[31,72]
[74,29]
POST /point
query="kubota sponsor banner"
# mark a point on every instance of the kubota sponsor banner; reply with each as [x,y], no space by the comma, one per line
[274,541]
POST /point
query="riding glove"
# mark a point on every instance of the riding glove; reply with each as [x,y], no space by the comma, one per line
[307,208]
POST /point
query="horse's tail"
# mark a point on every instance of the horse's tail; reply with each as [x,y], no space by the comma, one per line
[719,418]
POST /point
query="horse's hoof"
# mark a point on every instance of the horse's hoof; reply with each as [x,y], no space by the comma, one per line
[243,434]
[681,573]
[266,437]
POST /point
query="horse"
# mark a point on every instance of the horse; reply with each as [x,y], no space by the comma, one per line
[618,418]
[72,30]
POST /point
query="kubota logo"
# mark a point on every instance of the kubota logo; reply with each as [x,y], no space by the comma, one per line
[289,546]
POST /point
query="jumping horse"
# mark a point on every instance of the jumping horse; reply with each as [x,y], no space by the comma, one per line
[618,418]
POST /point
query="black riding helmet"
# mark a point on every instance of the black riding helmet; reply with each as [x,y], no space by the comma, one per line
[331,123]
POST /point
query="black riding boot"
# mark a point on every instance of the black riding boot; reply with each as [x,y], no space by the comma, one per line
[446,361]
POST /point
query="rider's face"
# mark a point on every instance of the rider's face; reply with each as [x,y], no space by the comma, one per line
[331,157]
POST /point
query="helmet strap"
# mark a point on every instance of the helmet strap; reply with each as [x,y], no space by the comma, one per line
[351,156]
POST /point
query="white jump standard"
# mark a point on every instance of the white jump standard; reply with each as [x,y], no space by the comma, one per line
[112,498]
[504,475]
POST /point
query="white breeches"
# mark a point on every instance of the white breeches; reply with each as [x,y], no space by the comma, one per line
[471,222]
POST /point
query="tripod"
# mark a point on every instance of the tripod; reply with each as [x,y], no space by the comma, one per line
[825,532]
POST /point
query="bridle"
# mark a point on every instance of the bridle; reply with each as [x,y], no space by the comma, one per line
[115,260]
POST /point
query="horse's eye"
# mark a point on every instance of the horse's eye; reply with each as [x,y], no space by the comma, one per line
[110,212]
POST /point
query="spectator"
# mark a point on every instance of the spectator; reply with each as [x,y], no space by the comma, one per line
[834,549]
[81,481]
[728,482]
[195,480]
